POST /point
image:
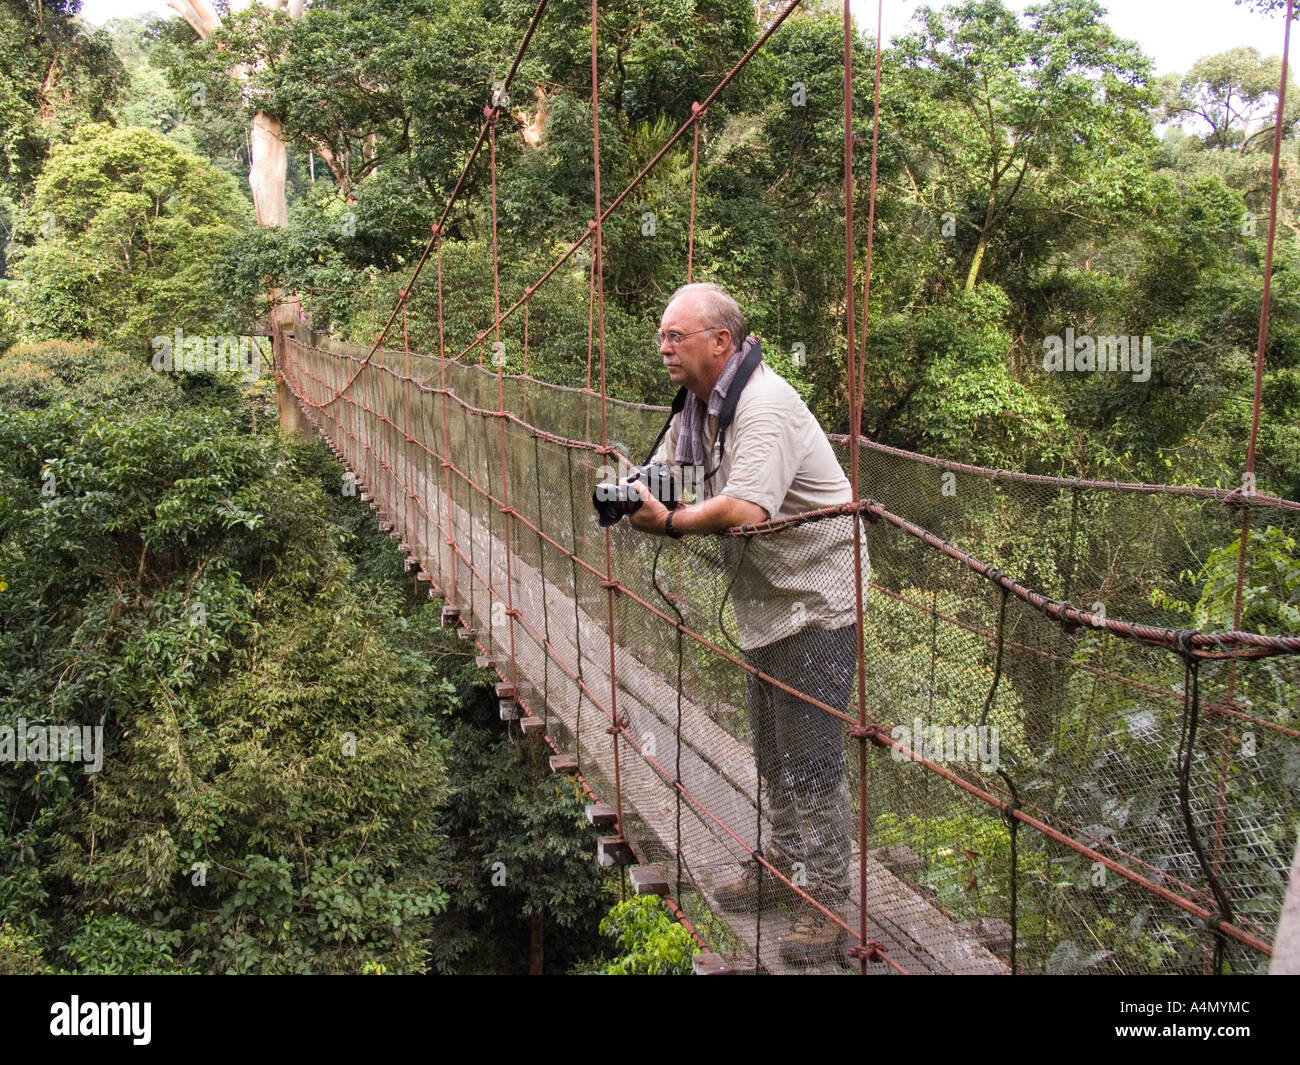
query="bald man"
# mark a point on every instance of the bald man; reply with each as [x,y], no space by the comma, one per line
[792,594]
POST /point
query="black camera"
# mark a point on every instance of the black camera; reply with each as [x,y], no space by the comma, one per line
[612,501]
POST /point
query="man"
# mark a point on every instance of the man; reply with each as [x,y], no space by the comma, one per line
[792,594]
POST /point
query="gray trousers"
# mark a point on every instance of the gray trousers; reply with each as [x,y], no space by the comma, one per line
[800,749]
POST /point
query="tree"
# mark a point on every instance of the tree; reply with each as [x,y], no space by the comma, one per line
[271,775]
[519,847]
[131,233]
[1235,94]
[1048,110]
[269,160]
[56,76]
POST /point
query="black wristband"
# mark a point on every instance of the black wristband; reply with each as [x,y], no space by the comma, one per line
[669,531]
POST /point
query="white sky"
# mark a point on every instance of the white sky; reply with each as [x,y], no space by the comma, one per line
[1175,33]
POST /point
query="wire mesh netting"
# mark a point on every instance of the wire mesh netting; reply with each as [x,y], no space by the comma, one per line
[1044,790]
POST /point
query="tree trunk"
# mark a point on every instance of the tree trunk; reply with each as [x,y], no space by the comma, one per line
[267,171]
[973,274]
[268,164]
[990,216]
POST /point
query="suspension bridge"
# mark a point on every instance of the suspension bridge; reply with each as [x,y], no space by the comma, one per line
[1139,813]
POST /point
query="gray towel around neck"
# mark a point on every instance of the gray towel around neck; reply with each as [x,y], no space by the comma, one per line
[690,436]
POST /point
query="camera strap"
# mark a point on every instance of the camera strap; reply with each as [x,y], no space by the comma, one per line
[679,402]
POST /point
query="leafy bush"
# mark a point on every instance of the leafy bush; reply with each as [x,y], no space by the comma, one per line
[654,944]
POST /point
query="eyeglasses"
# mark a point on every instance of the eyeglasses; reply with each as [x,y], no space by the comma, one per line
[674,338]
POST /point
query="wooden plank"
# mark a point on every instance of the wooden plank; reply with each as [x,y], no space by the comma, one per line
[648,880]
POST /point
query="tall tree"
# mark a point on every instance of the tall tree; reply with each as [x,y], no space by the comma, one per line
[1040,107]
[1234,93]
[56,75]
[269,157]
[127,230]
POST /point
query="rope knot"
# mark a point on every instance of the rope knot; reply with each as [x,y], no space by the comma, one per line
[872,950]
[875,733]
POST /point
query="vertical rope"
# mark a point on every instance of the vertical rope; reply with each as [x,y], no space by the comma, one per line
[929,703]
[698,111]
[604,418]
[541,566]
[1278,129]
[1186,754]
[528,294]
[591,319]
[408,518]
[1243,545]
[507,515]
[681,656]
[1013,826]
[448,537]
[577,620]
[997,658]
[855,416]
[871,215]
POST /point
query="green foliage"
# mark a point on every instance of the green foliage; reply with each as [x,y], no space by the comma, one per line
[126,232]
[40,375]
[20,953]
[58,75]
[1270,590]
[519,848]
[113,945]
[653,944]
[272,774]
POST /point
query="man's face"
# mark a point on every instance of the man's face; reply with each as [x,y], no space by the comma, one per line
[695,361]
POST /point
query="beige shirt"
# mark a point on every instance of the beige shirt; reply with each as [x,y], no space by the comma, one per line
[778,457]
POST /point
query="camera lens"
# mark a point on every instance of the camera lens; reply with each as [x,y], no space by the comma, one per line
[613,501]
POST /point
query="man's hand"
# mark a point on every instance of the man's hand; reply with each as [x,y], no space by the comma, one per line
[713,515]
[651,514]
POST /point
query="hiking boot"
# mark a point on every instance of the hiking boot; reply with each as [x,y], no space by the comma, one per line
[814,938]
[742,894]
